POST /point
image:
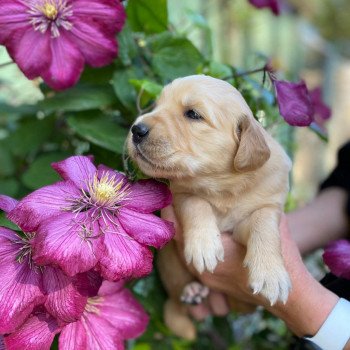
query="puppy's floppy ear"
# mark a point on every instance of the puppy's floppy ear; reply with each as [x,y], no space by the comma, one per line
[253,150]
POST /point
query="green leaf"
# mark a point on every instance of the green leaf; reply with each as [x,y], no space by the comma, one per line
[9,187]
[142,346]
[149,16]
[99,130]
[101,75]
[79,98]
[148,91]
[125,92]
[7,166]
[4,222]
[174,57]
[152,88]
[40,172]
[8,112]
[127,46]
[30,135]
[219,70]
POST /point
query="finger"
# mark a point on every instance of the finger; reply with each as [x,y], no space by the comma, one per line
[199,312]
[218,304]
[240,306]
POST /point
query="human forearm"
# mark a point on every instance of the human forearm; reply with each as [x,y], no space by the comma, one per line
[321,221]
[307,308]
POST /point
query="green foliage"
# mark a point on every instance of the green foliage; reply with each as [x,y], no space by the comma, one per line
[94,118]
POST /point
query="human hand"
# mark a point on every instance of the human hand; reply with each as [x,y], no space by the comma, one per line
[308,304]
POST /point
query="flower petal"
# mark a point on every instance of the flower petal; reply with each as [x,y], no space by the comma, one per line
[78,169]
[36,334]
[273,5]
[31,51]
[64,300]
[91,333]
[108,13]
[124,312]
[98,47]
[7,203]
[90,284]
[101,334]
[73,337]
[103,170]
[69,241]
[13,16]
[67,63]
[20,287]
[146,228]
[109,287]
[294,102]
[42,204]
[147,196]
[322,111]
[337,258]
[123,256]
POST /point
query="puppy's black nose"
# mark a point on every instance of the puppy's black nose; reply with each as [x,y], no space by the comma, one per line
[139,132]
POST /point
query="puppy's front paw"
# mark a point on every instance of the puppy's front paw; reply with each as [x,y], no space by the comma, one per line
[269,277]
[194,293]
[204,250]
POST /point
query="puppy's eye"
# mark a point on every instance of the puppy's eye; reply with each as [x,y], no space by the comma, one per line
[192,114]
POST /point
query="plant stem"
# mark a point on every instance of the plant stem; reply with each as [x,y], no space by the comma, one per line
[6,64]
[262,69]
[248,72]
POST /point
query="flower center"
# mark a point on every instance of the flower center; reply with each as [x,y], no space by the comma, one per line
[92,305]
[106,191]
[50,15]
[50,10]
[25,249]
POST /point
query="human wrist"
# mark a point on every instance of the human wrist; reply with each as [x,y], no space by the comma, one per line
[308,306]
[334,333]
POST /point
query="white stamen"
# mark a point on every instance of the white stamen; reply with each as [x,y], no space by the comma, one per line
[50,14]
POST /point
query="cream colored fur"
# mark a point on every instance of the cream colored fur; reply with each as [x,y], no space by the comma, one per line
[226,174]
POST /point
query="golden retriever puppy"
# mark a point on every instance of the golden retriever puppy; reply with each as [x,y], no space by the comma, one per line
[226,174]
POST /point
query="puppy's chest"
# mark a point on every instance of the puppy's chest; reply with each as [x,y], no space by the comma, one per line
[229,215]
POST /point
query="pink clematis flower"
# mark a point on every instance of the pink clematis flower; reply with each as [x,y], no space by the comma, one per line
[109,318]
[321,111]
[294,102]
[95,218]
[54,38]
[37,333]
[293,99]
[21,285]
[337,258]
[25,286]
[273,5]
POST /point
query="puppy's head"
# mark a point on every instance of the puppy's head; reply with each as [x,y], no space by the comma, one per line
[200,126]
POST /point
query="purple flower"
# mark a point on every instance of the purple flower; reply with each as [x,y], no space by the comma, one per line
[21,285]
[321,111]
[273,5]
[95,218]
[337,258]
[37,333]
[294,102]
[25,286]
[109,318]
[54,38]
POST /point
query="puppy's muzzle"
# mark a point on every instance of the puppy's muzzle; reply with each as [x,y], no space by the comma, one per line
[139,133]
